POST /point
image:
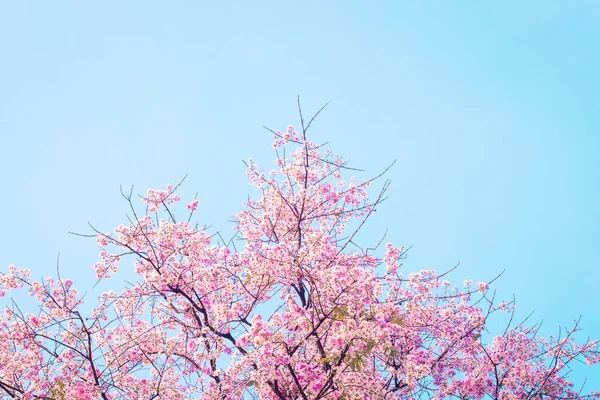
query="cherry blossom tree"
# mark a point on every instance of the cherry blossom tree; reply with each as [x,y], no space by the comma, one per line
[293,307]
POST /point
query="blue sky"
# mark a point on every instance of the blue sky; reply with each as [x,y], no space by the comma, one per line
[490,109]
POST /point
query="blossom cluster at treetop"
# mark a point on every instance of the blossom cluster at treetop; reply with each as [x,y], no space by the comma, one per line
[293,307]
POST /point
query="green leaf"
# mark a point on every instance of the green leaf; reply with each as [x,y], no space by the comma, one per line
[340,313]
[356,363]
[370,345]
[59,390]
[391,352]
[396,320]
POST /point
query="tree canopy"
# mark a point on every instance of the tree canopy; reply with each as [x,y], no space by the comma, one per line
[292,307]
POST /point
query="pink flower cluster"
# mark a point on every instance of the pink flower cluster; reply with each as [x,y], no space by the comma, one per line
[193,205]
[292,308]
[156,198]
[281,139]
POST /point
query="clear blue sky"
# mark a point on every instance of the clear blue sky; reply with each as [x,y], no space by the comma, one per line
[491,110]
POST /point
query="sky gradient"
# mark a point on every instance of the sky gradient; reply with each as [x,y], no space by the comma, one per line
[490,110]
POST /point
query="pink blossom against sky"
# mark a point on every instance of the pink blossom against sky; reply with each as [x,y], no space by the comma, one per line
[491,111]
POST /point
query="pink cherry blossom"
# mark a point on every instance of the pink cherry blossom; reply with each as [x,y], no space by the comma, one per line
[293,307]
[193,205]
